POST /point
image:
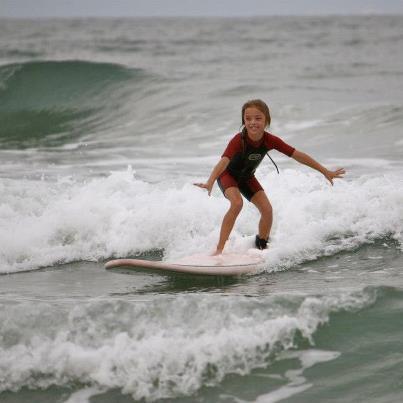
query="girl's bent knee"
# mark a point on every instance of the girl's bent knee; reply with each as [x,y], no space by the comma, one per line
[236,205]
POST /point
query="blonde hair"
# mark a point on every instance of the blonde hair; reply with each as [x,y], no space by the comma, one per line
[259,105]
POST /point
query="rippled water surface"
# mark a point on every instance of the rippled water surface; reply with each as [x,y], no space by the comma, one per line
[105,125]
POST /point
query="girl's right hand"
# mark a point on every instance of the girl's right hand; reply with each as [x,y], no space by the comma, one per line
[330,175]
[206,186]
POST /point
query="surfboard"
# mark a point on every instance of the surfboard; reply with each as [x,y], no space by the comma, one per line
[222,265]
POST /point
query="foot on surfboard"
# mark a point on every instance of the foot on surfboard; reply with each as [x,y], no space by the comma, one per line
[260,243]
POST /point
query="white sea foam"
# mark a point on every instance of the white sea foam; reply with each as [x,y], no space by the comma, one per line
[45,223]
[83,395]
[167,347]
[297,382]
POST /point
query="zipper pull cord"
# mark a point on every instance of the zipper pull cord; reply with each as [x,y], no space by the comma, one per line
[271,159]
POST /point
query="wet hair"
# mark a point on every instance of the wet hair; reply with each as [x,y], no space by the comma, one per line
[259,105]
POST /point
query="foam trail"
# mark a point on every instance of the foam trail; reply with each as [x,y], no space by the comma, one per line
[297,382]
[83,395]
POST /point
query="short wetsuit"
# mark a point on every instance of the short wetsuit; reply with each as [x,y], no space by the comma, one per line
[245,155]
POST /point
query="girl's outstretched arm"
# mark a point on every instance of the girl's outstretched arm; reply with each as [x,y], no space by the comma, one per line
[309,161]
[217,171]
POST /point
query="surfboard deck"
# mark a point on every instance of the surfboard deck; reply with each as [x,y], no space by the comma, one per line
[221,265]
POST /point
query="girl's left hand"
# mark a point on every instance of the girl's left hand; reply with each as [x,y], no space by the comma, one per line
[330,175]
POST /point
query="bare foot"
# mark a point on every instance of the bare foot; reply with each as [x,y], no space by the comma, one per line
[217,252]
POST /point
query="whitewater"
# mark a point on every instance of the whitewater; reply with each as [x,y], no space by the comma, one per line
[124,217]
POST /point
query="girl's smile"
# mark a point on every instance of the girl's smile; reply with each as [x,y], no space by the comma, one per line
[255,123]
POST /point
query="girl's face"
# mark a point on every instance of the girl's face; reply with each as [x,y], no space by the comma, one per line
[255,122]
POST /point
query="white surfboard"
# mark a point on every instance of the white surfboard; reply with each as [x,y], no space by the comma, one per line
[221,265]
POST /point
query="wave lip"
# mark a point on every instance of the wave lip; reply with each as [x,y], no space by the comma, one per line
[49,102]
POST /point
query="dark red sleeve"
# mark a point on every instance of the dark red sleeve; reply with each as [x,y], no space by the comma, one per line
[233,147]
[274,142]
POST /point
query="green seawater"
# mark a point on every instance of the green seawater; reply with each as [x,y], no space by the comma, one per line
[105,124]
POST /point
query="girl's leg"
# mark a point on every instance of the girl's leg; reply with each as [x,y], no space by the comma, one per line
[261,201]
[234,196]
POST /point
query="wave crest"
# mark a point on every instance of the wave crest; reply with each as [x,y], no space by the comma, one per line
[50,102]
[163,348]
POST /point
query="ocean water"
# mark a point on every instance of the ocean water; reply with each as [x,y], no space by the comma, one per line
[104,126]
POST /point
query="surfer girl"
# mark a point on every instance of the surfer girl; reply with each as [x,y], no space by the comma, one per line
[235,172]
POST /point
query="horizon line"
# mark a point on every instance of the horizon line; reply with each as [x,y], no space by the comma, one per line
[235,16]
